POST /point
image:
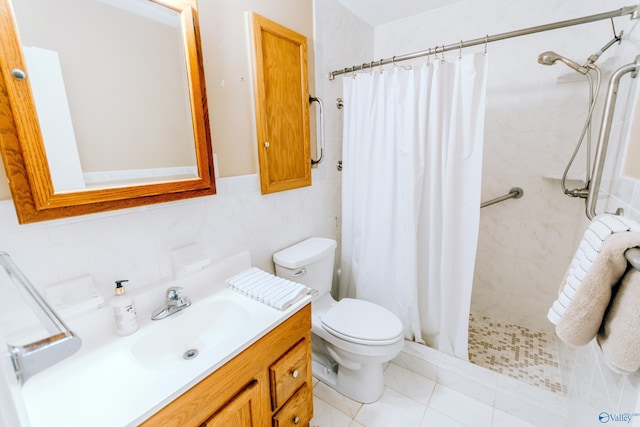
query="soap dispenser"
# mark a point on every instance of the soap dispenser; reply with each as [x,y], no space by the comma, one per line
[124,311]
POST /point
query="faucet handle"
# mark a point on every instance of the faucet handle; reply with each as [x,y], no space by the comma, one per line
[173,293]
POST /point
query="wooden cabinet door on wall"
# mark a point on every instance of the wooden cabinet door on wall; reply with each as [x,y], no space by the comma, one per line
[282,105]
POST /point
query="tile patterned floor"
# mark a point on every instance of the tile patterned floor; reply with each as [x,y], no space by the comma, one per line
[409,400]
[521,353]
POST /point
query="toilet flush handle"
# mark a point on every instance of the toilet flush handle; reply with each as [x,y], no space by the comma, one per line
[302,272]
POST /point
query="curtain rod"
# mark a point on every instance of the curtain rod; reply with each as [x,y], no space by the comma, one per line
[628,10]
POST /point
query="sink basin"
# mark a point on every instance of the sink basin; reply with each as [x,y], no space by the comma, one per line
[189,334]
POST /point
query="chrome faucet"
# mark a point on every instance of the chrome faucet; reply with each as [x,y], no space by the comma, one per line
[175,303]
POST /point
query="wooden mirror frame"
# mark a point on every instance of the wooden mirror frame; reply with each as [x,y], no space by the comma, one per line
[22,147]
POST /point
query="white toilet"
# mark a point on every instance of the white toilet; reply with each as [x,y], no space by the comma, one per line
[351,339]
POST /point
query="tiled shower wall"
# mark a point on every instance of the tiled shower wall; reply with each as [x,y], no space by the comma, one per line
[533,119]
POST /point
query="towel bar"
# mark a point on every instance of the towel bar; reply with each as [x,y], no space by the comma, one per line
[633,257]
[29,359]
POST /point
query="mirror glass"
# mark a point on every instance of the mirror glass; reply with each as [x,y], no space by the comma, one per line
[111,109]
[109,83]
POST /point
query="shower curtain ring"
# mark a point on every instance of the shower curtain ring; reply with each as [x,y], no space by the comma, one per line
[371,67]
[380,64]
[486,42]
[443,60]
[460,51]
[393,61]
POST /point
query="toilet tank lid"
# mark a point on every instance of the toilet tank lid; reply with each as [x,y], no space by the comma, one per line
[305,252]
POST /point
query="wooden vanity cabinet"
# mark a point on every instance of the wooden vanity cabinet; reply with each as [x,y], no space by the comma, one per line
[268,384]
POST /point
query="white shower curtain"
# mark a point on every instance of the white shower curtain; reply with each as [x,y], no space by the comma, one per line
[412,167]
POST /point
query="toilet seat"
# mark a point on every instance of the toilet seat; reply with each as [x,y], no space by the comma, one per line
[362,322]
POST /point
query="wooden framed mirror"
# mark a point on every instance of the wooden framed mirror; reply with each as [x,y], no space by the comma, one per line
[177,126]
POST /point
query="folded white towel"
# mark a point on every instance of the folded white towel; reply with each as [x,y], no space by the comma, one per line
[618,223]
[553,316]
[569,290]
[271,290]
[594,239]
[573,283]
[588,251]
[601,229]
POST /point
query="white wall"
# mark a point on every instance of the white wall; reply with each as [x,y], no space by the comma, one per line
[340,39]
[136,243]
[534,116]
[228,71]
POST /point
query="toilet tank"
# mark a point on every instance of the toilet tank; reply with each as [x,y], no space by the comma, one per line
[309,262]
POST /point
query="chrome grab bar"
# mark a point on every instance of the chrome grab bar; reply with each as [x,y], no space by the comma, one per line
[29,359]
[514,193]
[321,110]
[633,257]
[605,132]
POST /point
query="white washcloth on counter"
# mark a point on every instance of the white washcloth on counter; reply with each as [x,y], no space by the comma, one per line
[271,290]
[600,228]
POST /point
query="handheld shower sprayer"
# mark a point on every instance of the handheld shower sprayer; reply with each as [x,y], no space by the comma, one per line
[549,58]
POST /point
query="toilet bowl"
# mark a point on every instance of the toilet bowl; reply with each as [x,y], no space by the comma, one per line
[351,339]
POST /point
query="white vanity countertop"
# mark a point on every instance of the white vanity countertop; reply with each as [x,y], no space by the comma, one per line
[105,385]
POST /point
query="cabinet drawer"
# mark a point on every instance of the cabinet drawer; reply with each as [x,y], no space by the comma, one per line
[289,373]
[297,412]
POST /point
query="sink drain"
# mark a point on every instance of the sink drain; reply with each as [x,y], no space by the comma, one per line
[190,354]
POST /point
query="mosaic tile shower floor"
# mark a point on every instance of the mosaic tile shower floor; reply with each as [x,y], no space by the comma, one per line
[519,352]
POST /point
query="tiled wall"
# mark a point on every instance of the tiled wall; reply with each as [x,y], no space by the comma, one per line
[594,388]
[341,38]
[136,243]
[532,123]
[534,117]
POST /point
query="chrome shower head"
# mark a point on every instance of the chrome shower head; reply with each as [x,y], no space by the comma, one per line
[550,58]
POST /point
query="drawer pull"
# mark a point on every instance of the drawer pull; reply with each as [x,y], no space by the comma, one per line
[295,373]
[296,420]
